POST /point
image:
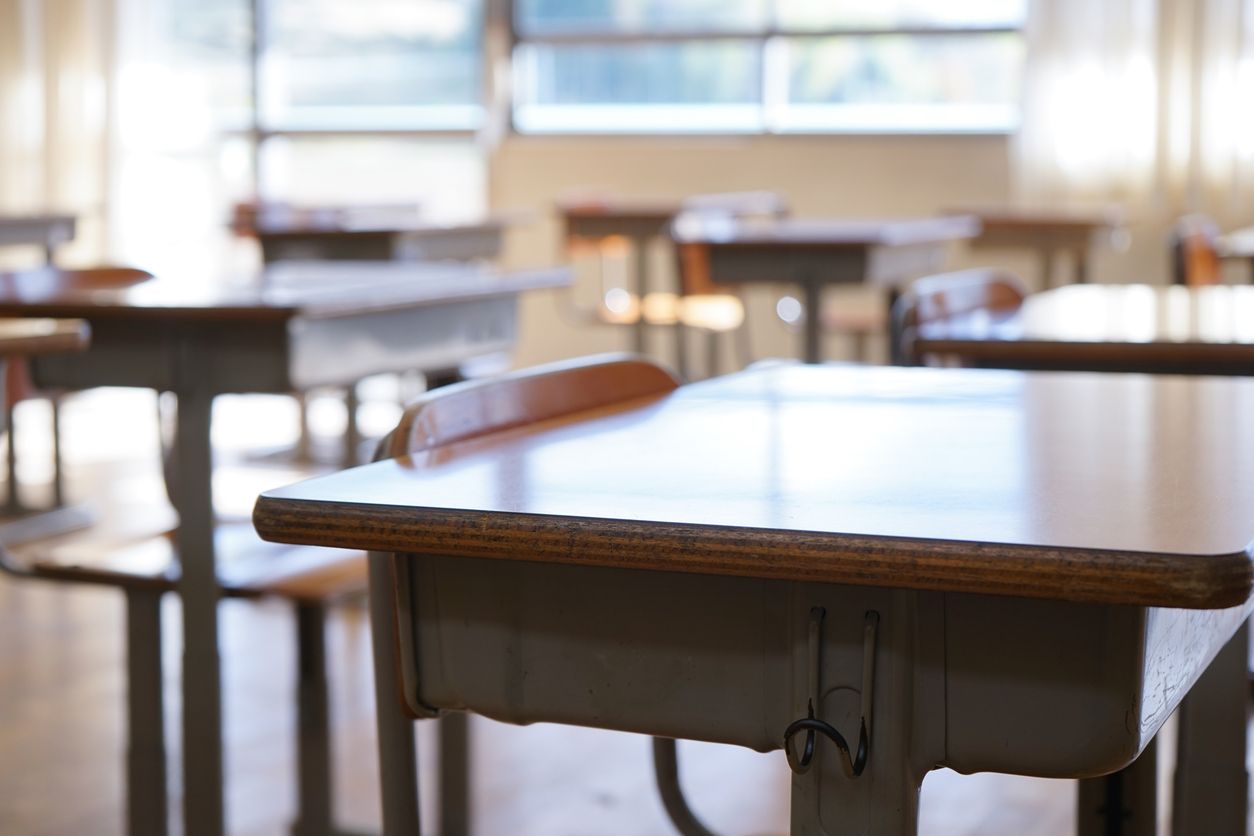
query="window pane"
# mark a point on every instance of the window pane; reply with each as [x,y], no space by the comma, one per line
[372,64]
[670,87]
[903,82]
[549,16]
[202,49]
[809,14]
[446,177]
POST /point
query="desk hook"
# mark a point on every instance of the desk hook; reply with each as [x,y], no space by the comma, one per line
[852,764]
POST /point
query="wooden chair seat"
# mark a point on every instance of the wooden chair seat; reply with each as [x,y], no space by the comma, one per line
[249,567]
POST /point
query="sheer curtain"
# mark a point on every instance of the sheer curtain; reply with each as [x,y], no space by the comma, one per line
[1144,103]
[56,93]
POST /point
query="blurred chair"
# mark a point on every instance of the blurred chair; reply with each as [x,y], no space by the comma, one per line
[20,386]
[147,568]
[947,295]
[1195,251]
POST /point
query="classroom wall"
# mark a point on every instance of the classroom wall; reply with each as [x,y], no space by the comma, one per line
[836,176]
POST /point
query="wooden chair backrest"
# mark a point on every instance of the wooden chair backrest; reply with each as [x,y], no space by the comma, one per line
[947,295]
[1195,252]
[693,259]
[467,410]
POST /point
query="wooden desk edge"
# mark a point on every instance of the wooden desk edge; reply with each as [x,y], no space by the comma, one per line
[1080,575]
[61,335]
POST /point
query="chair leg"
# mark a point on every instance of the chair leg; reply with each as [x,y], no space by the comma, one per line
[13,501]
[352,433]
[1124,803]
[58,470]
[398,774]
[666,771]
[711,354]
[313,746]
[147,813]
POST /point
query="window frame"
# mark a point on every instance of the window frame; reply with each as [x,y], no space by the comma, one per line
[769,104]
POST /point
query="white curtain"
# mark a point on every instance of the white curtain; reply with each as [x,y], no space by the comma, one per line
[1147,103]
[56,93]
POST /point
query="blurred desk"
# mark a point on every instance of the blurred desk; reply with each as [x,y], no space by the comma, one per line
[375,240]
[1044,598]
[1129,328]
[46,231]
[1239,244]
[815,253]
[640,222]
[296,327]
[1048,233]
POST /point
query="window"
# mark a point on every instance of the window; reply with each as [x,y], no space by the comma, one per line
[371,65]
[671,66]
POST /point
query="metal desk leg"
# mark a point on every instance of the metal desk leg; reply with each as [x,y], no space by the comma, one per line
[812,293]
[198,589]
[398,773]
[454,774]
[1124,803]
[1211,780]
[640,252]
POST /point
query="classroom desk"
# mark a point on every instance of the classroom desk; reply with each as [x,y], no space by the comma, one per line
[294,328]
[1131,328]
[1001,563]
[640,222]
[46,231]
[379,241]
[1048,233]
[814,253]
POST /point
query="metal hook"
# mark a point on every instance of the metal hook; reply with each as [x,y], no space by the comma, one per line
[853,765]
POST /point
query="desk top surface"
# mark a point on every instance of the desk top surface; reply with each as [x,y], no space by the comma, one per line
[348,226]
[1070,486]
[42,336]
[1237,244]
[308,289]
[839,233]
[1039,219]
[1129,321]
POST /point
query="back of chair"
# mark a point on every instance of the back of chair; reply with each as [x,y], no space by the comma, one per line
[467,410]
[1194,251]
[950,295]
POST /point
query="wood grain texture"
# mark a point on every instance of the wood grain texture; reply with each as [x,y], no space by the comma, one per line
[1204,330]
[1072,487]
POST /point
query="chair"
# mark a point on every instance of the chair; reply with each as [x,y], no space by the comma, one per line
[1195,251]
[948,295]
[147,568]
[19,386]
[554,394]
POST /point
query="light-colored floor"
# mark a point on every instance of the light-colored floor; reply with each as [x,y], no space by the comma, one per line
[62,691]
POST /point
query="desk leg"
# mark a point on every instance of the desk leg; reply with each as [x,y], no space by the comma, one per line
[398,773]
[640,252]
[198,589]
[1123,803]
[1211,780]
[812,293]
